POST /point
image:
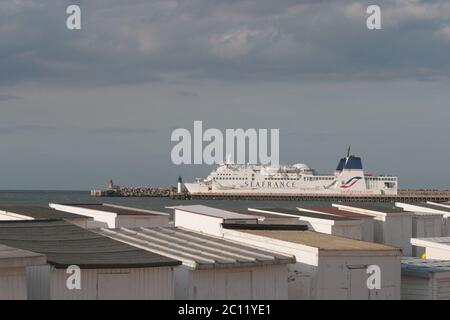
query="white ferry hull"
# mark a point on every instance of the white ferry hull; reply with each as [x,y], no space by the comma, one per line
[199,188]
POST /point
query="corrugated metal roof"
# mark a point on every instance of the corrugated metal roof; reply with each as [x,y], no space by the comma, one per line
[321,240]
[442,243]
[350,214]
[412,265]
[117,209]
[265,215]
[334,211]
[443,240]
[196,250]
[427,214]
[38,212]
[66,244]
[295,212]
[214,212]
[372,207]
[432,206]
[13,257]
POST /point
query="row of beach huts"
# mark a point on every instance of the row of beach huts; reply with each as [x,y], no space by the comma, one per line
[344,251]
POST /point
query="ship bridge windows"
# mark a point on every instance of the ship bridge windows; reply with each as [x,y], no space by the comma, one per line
[389,185]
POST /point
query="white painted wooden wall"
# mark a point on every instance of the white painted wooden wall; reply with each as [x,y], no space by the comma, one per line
[326,273]
[425,227]
[101,284]
[435,287]
[13,285]
[198,222]
[344,276]
[255,283]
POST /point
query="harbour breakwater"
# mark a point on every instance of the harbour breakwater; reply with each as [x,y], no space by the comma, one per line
[134,192]
[406,195]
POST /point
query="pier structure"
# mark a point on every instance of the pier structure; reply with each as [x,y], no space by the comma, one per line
[321,197]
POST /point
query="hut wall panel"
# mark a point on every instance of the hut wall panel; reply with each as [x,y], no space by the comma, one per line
[38,282]
[13,284]
[416,288]
[336,278]
[262,283]
[144,284]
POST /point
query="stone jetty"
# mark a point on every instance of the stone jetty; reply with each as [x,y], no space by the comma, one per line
[134,192]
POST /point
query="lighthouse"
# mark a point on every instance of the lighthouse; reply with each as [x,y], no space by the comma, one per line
[110,184]
[180,185]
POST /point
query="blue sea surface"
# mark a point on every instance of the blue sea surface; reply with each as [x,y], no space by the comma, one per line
[161,204]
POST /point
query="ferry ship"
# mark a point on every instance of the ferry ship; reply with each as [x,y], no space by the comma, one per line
[299,179]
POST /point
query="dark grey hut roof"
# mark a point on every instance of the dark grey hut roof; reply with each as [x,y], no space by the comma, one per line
[65,244]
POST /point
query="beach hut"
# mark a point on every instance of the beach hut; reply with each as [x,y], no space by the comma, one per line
[425,225]
[207,219]
[115,216]
[269,218]
[327,266]
[32,212]
[13,264]
[435,248]
[213,268]
[393,226]
[82,265]
[367,222]
[425,279]
[330,224]
[442,210]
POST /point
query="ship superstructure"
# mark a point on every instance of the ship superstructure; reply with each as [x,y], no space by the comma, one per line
[348,178]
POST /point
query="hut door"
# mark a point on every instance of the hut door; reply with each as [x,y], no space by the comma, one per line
[239,285]
[357,276]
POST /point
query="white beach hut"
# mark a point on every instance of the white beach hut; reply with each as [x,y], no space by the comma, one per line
[425,279]
[327,266]
[325,223]
[24,212]
[367,222]
[393,226]
[441,216]
[435,248]
[105,269]
[207,219]
[13,264]
[115,216]
[213,268]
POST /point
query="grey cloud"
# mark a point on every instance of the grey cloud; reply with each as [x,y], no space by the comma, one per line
[160,41]
[121,130]
[189,94]
[27,128]
[6,97]
[140,68]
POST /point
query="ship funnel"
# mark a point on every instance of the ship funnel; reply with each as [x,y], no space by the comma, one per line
[353,163]
[341,165]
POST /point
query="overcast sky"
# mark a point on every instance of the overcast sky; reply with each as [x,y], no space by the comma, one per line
[80,107]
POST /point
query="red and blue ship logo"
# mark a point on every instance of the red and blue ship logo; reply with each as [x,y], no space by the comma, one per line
[351,182]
